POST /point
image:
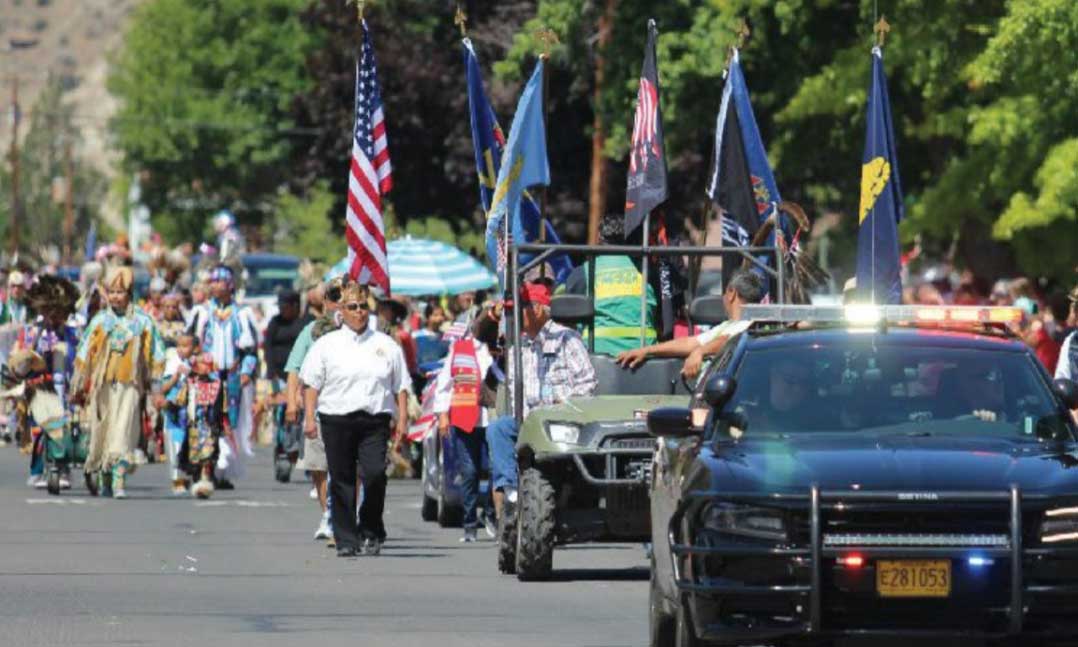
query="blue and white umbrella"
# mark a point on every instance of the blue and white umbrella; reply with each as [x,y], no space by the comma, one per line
[419,266]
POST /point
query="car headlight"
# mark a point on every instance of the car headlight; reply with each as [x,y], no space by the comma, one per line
[744,521]
[565,433]
[1059,525]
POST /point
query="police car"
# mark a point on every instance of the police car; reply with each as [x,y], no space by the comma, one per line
[863,471]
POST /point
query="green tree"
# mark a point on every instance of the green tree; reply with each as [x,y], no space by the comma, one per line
[206,88]
[301,226]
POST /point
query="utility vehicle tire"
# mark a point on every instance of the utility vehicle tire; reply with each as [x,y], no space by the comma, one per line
[535,526]
[429,509]
[661,626]
[507,540]
[52,484]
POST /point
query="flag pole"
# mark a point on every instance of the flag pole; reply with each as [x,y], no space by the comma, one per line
[548,38]
[880,28]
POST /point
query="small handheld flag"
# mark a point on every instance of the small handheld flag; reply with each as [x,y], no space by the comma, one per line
[370,176]
[647,187]
[880,210]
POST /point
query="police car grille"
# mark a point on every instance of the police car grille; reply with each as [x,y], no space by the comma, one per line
[924,526]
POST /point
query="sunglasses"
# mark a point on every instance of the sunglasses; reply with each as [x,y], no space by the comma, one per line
[354,306]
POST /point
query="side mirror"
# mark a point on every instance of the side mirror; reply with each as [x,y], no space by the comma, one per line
[1067,392]
[671,422]
[719,389]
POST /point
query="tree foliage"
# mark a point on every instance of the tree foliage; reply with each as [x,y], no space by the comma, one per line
[206,89]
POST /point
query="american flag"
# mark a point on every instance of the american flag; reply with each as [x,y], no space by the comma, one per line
[370,176]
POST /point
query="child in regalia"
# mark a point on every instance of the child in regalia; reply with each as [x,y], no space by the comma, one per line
[207,422]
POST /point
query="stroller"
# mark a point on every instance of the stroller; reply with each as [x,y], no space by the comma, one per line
[65,444]
[288,440]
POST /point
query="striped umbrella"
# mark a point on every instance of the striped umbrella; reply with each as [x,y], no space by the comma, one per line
[419,266]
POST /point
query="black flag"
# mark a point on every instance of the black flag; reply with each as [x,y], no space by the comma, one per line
[647,155]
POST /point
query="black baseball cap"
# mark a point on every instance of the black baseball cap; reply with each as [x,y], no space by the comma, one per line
[287,295]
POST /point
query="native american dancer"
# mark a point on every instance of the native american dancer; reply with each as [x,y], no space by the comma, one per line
[47,368]
[118,361]
[227,332]
[207,423]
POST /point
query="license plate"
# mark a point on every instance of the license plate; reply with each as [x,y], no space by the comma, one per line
[913,579]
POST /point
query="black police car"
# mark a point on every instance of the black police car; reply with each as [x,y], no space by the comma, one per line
[891,471]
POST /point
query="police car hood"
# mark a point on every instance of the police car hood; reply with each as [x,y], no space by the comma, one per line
[894,461]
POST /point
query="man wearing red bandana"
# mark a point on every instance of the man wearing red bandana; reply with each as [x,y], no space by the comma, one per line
[555,367]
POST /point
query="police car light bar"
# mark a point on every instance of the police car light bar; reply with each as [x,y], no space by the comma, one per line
[869,315]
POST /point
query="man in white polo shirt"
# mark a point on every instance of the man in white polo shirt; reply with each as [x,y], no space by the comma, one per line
[357,381]
[744,287]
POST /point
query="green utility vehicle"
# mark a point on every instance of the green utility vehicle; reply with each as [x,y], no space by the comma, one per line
[584,465]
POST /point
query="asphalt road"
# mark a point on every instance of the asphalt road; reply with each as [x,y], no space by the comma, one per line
[242,569]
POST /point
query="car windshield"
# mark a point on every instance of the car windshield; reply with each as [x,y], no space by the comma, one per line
[266,281]
[887,388]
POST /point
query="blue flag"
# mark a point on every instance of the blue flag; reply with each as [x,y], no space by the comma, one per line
[489,143]
[878,278]
[741,182]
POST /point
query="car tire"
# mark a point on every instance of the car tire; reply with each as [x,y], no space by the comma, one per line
[449,516]
[507,540]
[535,527]
[661,625]
[429,509]
[684,634]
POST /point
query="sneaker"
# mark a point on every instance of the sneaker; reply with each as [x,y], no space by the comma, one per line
[65,483]
[313,494]
[119,493]
[331,542]
[225,484]
[346,551]
[36,481]
[324,531]
[372,547]
[203,489]
[490,523]
[469,536]
[179,488]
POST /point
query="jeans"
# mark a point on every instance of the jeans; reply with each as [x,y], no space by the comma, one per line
[502,439]
[350,439]
[469,449]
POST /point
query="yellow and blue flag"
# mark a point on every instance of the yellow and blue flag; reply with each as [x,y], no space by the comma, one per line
[512,200]
[878,266]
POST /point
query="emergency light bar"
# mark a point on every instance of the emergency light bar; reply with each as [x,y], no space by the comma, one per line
[869,315]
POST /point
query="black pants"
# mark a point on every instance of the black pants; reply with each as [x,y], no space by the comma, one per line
[351,438]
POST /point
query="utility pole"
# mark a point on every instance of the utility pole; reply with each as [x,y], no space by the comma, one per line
[15,117]
[69,201]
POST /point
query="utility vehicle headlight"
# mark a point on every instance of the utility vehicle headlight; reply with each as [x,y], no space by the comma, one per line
[744,521]
[562,432]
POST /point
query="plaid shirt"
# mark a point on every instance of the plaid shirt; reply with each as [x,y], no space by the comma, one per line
[568,371]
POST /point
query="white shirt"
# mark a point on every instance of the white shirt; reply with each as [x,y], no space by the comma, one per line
[443,389]
[356,372]
[725,329]
[1063,366]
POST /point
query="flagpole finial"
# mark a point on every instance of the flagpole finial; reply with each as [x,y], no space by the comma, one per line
[742,32]
[461,20]
[881,29]
[741,36]
[361,6]
[549,38]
